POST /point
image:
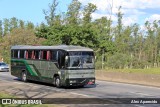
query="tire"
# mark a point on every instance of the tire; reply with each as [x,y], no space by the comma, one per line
[57,82]
[24,76]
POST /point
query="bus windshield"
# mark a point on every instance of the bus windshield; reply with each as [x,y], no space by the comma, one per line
[80,60]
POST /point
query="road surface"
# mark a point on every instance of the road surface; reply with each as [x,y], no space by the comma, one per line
[102,89]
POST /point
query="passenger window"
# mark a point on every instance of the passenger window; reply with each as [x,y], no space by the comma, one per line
[12,54]
[36,54]
[44,55]
[61,59]
[54,55]
[15,53]
[59,56]
[29,54]
[22,53]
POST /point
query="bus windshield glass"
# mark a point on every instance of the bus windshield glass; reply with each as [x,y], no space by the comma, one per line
[80,60]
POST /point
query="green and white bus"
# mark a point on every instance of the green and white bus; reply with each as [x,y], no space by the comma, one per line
[63,65]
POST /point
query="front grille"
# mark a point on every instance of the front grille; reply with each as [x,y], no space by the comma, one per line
[81,80]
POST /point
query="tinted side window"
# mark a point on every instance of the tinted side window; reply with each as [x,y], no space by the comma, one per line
[15,53]
[44,55]
[61,59]
[22,53]
[54,55]
[12,53]
[29,54]
[37,54]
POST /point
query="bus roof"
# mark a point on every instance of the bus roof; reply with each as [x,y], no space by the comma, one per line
[61,47]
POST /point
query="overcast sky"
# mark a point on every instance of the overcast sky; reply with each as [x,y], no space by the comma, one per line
[135,11]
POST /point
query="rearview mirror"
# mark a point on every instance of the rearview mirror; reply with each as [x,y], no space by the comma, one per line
[66,60]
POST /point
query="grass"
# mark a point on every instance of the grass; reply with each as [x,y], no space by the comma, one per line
[143,71]
[4,95]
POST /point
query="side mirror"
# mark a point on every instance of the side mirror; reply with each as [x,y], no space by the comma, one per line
[66,60]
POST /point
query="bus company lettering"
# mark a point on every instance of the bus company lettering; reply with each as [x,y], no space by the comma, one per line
[34,102]
[14,101]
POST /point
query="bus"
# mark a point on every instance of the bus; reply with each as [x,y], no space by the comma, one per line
[62,65]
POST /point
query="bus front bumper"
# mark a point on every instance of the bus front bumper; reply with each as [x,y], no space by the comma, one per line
[80,81]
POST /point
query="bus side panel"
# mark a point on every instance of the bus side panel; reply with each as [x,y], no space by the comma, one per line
[17,67]
[45,70]
[36,70]
[48,69]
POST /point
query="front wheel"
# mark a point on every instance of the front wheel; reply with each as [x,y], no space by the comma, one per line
[57,82]
[24,76]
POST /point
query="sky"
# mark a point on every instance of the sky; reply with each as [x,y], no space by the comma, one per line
[135,11]
[29,10]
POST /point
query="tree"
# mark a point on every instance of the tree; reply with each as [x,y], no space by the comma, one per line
[119,26]
[51,13]
[110,2]
[25,37]
[6,26]
[152,42]
[118,32]
[1,29]
[105,46]
[88,10]
[13,23]
[21,24]
[73,12]
[30,25]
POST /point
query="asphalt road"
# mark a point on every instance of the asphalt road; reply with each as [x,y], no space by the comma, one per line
[102,89]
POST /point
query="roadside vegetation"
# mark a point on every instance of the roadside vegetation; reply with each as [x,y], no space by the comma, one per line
[5,95]
[126,48]
[141,71]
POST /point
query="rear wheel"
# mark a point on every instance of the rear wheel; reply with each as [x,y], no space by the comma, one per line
[57,82]
[24,76]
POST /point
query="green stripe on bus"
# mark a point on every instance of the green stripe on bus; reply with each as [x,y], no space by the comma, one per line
[27,66]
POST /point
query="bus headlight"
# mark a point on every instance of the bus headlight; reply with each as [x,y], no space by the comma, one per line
[92,80]
[72,81]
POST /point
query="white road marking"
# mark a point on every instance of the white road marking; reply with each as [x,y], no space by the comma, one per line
[4,80]
[4,74]
[139,106]
[140,93]
[80,94]
[17,82]
[31,85]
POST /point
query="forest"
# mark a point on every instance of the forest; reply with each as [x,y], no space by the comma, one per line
[115,45]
